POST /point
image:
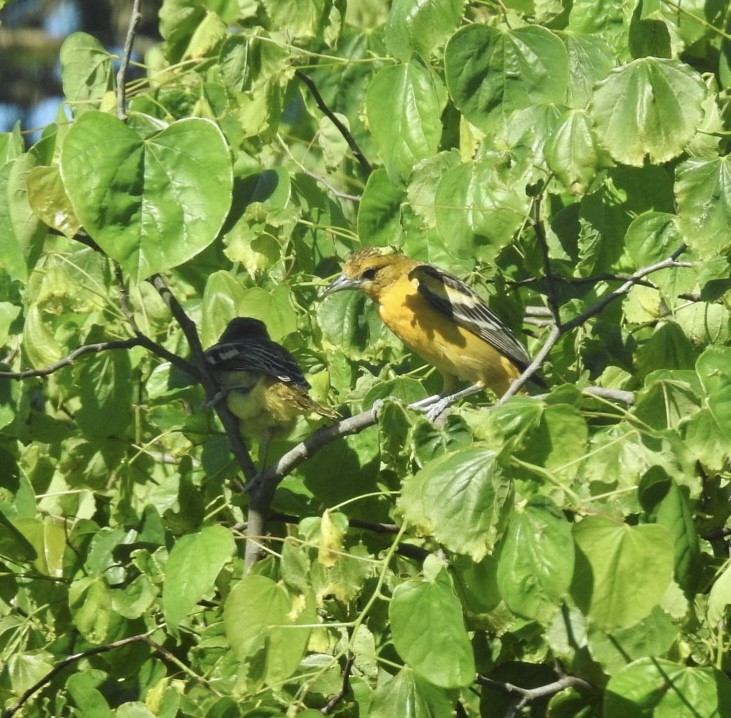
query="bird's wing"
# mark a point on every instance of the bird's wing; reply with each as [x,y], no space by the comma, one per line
[261,355]
[453,298]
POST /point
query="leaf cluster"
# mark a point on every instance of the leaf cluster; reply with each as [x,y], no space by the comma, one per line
[560,555]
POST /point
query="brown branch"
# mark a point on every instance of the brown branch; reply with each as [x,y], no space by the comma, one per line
[557,331]
[268,479]
[526,695]
[72,357]
[261,488]
[578,281]
[229,421]
[633,279]
[340,695]
[134,20]
[540,232]
[344,131]
[144,341]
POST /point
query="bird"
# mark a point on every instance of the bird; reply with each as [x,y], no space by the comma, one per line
[261,381]
[440,318]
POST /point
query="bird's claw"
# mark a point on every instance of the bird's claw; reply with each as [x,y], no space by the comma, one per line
[435,411]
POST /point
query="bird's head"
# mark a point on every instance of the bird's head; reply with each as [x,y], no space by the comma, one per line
[369,270]
[243,328]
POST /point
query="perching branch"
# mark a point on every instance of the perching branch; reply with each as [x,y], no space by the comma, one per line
[526,695]
[267,480]
[559,329]
[344,131]
[620,291]
[261,488]
[134,20]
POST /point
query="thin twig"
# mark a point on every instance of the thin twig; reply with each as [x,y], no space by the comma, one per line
[540,232]
[141,638]
[557,331]
[340,695]
[633,279]
[72,357]
[230,424]
[344,131]
[526,695]
[126,306]
[578,281]
[134,20]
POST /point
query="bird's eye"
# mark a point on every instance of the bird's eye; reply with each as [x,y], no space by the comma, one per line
[369,273]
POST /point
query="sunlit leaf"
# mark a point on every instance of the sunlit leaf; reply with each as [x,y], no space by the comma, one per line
[649,108]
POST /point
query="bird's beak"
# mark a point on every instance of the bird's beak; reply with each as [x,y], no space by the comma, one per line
[341,283]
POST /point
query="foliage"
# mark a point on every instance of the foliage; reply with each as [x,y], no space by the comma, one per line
[574,546]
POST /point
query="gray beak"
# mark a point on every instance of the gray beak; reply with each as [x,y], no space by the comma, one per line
[341,283]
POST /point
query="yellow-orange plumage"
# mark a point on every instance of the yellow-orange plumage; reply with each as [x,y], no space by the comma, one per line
[438,317]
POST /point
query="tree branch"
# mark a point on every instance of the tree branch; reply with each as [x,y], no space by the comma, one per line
[141,638]
[72,357]
[558,330]
[134,20]
[526,695]
[268,479]
[344,131]
[540,232]
[633,279]
[338,697]
[229,421]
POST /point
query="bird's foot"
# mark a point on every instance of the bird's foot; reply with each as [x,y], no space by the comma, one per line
[436,412]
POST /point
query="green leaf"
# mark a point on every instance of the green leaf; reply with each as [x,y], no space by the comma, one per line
[404,105]
[47,196]
[426,616]
[194,563]
[86,72]
[13,545]
[703,193]
[477,210]
[150,203]
[652,237]
[104,383]
[420,28]
[23,233]
[712,367]
[536,560]
[611,556]
[663,689]
[572,153]
[83,687]
[719,597]
[90,601]
[261,622]
[379,213]
[476,584]
[668,505]
[407,695]
[48,539]
[653,636]
[649,108]
[590,60]
[462,499]
[491,73]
